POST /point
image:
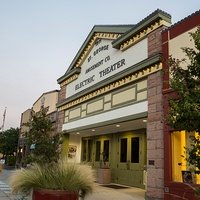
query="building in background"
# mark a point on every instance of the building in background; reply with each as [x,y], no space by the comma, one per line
[48,101]
[110,103]
[173,39]
[23,149]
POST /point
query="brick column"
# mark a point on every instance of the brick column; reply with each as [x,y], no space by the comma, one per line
[155,42]
[61,114]
[155,138]
[60,120]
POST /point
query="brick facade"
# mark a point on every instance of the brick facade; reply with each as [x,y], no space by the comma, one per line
[60,121]
[61,97]
[155,42]
[62,94]
[155,147]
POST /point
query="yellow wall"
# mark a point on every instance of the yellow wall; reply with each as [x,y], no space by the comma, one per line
[65,145]
[180,141]
[178,162]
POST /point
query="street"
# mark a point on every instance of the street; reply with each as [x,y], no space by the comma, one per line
[5,190]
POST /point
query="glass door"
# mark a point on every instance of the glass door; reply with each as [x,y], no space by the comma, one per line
[131,159]
[87,150]
[102,152]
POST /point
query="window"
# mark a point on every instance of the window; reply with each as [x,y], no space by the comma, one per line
[106,151]
[123,150]
[135,150]
[98,149]
[87,149]
[90,150]
[84,150]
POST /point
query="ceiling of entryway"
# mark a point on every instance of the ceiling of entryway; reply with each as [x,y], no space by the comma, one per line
[113,128]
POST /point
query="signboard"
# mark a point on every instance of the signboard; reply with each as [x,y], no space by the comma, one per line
[104,61]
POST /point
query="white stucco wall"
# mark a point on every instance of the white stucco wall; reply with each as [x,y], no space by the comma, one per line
[109,115]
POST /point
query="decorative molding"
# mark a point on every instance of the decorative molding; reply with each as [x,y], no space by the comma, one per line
[110,36]
[121,82]
[143,33]
[69,80]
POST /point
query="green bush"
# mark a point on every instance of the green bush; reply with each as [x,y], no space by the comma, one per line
[10,160]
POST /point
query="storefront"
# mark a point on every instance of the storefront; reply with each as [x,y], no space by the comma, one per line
[110,103]
[179,179]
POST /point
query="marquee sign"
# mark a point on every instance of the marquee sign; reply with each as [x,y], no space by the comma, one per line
[104,61]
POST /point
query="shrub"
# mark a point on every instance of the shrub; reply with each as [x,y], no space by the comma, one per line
[10,160]
[58,176]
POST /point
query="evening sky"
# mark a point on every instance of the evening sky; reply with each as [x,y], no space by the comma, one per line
[40,38]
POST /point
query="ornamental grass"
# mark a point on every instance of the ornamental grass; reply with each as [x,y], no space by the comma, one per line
[65,176]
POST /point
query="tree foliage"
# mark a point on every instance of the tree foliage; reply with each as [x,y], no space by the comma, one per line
[40,135]
[9,141]
[184,113]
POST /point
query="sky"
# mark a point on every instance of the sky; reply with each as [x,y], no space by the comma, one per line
[40,38]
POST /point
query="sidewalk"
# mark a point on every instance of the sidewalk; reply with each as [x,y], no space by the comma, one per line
[8,196]
[100,193]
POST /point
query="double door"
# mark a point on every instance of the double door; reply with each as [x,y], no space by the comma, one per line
[102,152]
[124,153]
[131,159]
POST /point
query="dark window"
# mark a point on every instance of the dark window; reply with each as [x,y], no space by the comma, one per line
[135,150]
[98,146]
[106,151]
[89,150]
[84,142]
[123,150]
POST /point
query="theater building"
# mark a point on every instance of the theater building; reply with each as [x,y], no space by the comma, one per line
[110,103]
[173,39]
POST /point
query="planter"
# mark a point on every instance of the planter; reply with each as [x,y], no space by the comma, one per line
[104,175]
[46,194]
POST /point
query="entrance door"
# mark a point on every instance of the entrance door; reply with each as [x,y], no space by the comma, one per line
[131,159]
[102,152]
[87,150]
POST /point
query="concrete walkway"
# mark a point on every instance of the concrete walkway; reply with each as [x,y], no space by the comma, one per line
[104,193]
[100,193]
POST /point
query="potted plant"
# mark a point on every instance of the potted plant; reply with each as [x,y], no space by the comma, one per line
[104,172]
[62,180]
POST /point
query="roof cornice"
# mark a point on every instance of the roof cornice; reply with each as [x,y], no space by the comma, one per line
[142,25]
[68,77]
[98,32]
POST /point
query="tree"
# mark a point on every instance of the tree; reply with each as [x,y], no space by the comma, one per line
[184,113]
[44,145]
[9,141]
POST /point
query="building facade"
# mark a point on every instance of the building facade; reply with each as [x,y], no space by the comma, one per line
[48,101]
[110,103]
[173,39]
[22,149]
